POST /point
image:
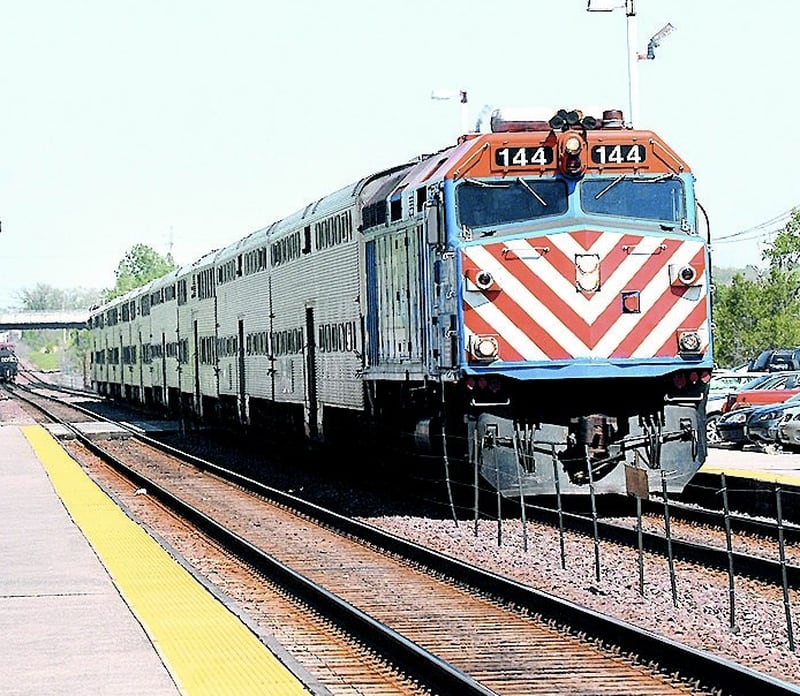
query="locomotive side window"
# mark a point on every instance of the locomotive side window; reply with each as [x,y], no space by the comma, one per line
[651,198]
[491,203]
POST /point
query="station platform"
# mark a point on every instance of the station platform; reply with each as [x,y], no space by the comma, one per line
[756,464]
[91,603]
[752,480]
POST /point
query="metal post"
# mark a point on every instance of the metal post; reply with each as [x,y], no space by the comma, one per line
[477,453]
[447,475]
[558,505]
[461,95]
[639,537]
[633,70]
[464,112]
[633,56]
[782,548]
[668,534]
[594,514]
[521,495]
[499,498]
[729,543]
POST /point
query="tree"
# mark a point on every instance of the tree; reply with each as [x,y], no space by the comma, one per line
[140,265]
[784,252]
[41,297]
[735,324]
[751,315]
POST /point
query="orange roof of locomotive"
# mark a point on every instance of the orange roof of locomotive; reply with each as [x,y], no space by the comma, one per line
[472,156]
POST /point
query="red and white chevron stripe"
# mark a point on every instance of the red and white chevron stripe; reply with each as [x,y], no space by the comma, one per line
[537,313]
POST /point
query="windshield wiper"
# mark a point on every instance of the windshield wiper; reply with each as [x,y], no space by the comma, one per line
[610,186]
[662,177]
[486,184]
[531,190]
[654,180]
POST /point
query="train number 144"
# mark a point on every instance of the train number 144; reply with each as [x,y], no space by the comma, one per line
[523,156]
[618,154]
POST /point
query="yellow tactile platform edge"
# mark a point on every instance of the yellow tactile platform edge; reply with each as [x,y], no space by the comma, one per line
[206,648]
[756,474]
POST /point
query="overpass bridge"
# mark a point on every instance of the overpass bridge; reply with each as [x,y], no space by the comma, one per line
[49,319]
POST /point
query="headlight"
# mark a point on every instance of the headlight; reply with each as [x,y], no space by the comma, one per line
[735,417]
[688,341]
[685,276]
[478,279]
[484,347]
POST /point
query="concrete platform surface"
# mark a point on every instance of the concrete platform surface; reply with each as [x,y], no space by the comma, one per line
[66,630]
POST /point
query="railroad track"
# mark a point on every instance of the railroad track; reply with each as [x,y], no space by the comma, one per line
[760,560]
[461,620]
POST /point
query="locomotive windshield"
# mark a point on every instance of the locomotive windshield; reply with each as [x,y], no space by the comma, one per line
[653,198]
[485,204]
[493,203]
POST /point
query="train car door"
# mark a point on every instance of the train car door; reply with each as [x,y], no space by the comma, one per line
[243,411]
[140,364]
[312,404]
[198,401]
[164,389]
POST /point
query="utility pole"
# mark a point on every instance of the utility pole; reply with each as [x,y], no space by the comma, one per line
[633,74]
[461,95]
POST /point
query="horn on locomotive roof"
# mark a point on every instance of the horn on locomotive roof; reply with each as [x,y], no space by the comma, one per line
[520,120]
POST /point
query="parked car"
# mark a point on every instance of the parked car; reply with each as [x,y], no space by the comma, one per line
[776,360]
[773,391]
[789,431]
[762,424]
[730,428]
[723,383]
[756,424]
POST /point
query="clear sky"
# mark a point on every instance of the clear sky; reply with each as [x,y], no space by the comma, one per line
[187,124]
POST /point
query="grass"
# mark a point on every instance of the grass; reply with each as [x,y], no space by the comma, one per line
[46,362]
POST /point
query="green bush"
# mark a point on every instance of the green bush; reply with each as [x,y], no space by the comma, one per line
[46,361]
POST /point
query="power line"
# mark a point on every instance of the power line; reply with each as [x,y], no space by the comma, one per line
[743,237]
[775,225]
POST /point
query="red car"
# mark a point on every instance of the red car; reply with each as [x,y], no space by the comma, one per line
[784,386]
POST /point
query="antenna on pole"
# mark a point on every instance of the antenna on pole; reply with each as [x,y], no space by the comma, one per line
[461,95]
[633,76]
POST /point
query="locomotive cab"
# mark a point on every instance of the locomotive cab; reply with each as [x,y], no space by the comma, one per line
[585,333]
[8,363]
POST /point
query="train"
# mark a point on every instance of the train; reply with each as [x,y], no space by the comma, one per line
[528,307]
[9,364]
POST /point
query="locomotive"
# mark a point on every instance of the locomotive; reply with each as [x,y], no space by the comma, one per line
[530,305]
[8,363]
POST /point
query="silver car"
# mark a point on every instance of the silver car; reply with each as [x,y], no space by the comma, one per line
[789,431]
